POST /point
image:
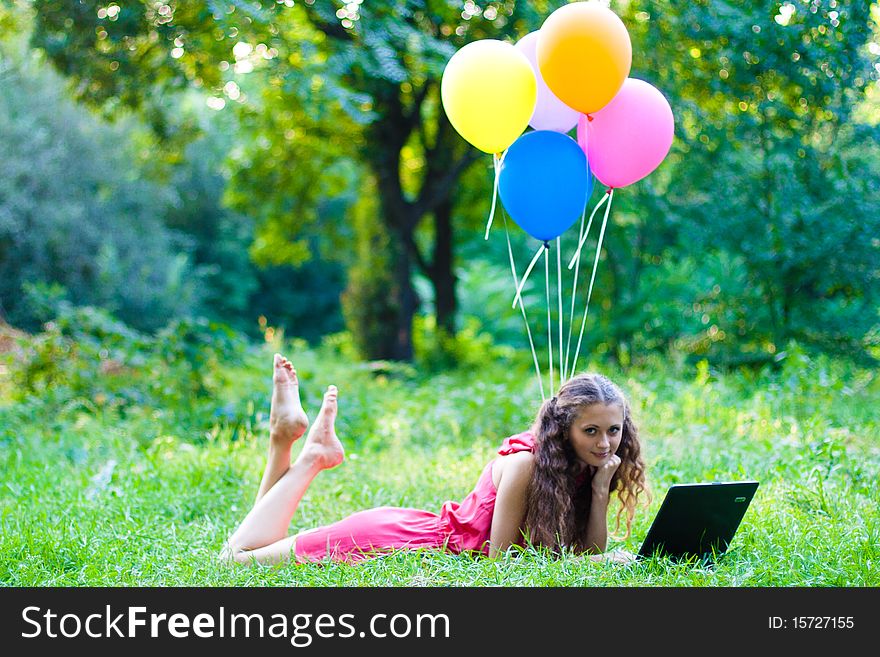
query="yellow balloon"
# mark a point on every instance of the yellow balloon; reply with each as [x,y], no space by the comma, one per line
[489,91]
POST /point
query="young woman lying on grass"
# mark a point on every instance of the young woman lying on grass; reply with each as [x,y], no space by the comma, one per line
[551,484]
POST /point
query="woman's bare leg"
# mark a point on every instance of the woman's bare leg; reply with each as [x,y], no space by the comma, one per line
[262,535]
[287,423]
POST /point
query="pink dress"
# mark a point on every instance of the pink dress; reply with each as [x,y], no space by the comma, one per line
[460,527]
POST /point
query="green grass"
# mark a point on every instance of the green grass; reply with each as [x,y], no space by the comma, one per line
[100,494]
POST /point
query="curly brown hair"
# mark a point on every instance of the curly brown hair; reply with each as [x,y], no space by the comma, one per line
[558,503]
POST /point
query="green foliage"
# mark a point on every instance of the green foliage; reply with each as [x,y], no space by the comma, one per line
[214,237]
[486,290]
[79,351]
[368,303]
[769,170]
[87,357]
[197,349]
[695,260]
[76,213]
[246,273]
[101,214]
[324,99]
[759,229]
[469,349]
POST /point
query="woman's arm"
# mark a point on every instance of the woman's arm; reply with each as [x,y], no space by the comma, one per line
[597,526]
[510,502]
[596,540]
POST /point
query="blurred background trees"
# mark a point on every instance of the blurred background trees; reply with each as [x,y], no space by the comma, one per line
[774,176]
[288,165]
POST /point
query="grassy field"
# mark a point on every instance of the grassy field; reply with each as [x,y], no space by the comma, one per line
[104,490]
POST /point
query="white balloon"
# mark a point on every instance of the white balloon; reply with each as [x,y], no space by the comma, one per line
[550,112]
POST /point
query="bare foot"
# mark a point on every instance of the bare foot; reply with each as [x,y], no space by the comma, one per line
[287,420]
[322,447]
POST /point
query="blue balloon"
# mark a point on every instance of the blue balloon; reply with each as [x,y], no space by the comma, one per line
[544,183]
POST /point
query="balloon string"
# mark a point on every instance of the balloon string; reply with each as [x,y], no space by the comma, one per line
[523,309]
[574,292]
[496,162]
[525,277]
[549,328]
[610,196]
[577,253]
[559,294]
[582,132]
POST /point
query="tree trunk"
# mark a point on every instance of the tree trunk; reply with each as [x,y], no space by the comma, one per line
[446,162]
[442,273]
[402,299]
[405,300]
[383,153]
[400,216]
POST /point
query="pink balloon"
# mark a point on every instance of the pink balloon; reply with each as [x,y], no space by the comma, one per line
[631,135]
[550,112]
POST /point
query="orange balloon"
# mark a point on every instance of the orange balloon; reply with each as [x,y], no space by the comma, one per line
[584,54]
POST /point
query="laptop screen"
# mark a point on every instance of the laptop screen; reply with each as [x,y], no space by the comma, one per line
[698,520]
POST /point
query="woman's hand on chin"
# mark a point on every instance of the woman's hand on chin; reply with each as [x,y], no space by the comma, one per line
[604,473]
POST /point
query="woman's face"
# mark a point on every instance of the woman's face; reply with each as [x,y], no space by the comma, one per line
[595,433]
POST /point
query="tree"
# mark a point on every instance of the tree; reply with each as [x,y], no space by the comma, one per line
[373,69]
[77,220]
[774,175]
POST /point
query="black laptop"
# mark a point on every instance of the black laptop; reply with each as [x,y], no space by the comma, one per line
[698,521]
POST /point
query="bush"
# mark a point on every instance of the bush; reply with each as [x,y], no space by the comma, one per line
[79,219]
[470,348]
[86,354]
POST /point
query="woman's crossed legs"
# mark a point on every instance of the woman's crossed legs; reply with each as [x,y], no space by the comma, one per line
[262,535]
